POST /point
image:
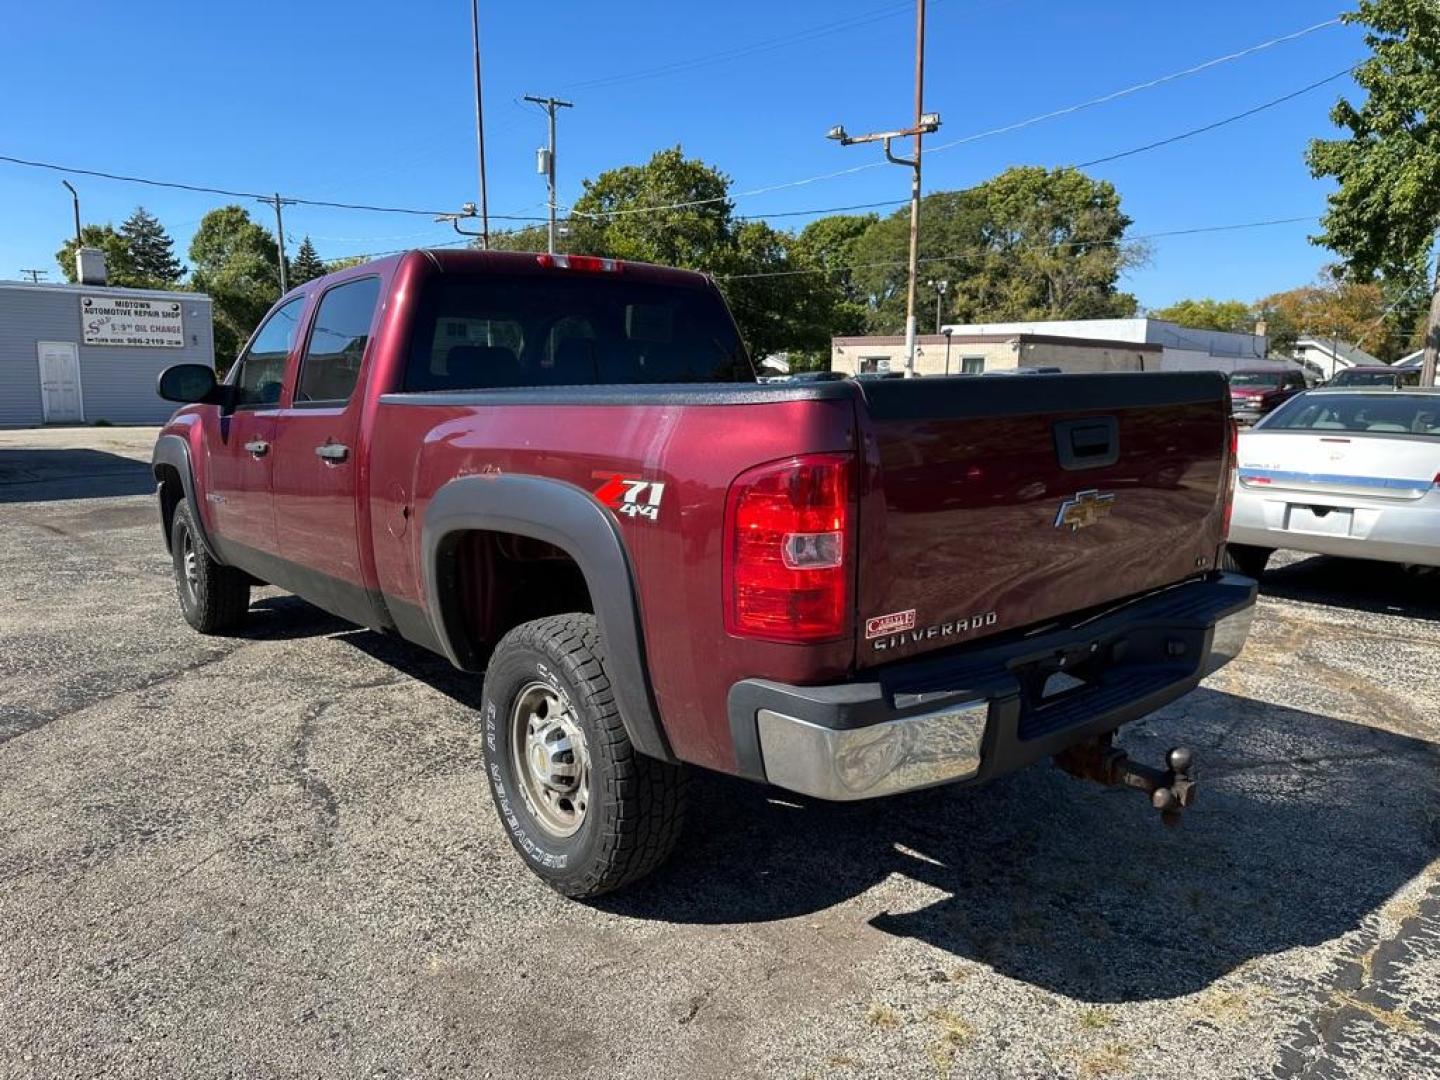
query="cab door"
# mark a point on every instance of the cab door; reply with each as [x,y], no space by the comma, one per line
[240,452]
[316,455]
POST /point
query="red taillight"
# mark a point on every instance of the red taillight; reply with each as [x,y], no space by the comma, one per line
[1232,466]
[787,530]
[592,264]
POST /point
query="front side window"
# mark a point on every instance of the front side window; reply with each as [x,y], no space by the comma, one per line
[483,331]
[261,371]
[1267,379]
[330,367]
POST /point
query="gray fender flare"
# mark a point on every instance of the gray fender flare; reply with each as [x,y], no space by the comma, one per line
[174,451]
[567,517]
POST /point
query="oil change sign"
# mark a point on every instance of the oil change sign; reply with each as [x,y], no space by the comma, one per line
[110,320]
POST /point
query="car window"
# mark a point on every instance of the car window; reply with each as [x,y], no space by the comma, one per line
[1254,378]
[1365,414]
[261,371]
[330,367]
[483,331]
[1295,381]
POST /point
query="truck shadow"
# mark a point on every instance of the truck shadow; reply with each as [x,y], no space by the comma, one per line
[31,476]
[1357,584]
[1305,825]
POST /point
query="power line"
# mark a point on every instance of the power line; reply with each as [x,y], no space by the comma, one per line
[978,253]
[207,190]
[1029,121]
[1147,85]
[1218,123]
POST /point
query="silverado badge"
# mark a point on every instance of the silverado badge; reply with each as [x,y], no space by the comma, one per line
[1084,509]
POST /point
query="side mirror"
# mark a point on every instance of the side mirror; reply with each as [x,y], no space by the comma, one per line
[188,384]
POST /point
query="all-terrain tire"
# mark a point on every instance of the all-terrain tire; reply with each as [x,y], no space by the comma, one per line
[634,805]
[1244,559]
[214,598]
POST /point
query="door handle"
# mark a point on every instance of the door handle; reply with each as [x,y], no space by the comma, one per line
[258,447]
[332,452]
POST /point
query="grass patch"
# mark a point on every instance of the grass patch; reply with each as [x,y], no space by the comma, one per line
[1112,1059]
[1095,1019]
[882,1016]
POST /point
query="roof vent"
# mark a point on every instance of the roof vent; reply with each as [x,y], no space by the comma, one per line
[90,266]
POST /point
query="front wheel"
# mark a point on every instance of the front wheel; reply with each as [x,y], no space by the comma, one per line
[214,598]
[1244,559]
[585,811]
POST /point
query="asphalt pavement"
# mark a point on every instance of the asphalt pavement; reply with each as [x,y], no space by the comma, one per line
[274,855]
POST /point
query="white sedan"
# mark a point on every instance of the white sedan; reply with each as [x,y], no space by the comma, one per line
[1341,472]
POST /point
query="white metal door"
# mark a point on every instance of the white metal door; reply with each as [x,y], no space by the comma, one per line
[60,382]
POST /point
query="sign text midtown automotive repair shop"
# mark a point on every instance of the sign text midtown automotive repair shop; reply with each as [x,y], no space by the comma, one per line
[110,320]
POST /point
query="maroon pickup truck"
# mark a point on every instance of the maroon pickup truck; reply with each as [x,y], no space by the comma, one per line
[562,473]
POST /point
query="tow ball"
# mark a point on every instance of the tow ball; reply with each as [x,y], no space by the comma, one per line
[1170,789]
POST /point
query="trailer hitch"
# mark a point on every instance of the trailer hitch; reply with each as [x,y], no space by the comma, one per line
[1170,789]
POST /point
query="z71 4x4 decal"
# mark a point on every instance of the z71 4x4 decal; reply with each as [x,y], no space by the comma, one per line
[631,496]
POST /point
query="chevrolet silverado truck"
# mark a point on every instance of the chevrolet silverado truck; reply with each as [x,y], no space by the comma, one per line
[561,474]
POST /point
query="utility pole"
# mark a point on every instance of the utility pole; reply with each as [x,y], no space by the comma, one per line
[925,123]
[277,202]
[547,157]
[75,202]
[1432,336]
[35,275]
[480,127]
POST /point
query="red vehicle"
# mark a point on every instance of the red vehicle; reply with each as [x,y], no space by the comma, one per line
[1255,393]
[561,473]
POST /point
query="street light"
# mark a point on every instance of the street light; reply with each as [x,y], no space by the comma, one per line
[75,200]
[925,123]
[947,332]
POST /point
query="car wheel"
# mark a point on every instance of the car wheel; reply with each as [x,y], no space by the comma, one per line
[1244,559]
[214,598]
[585,811]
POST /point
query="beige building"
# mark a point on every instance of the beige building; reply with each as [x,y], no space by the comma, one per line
[976,354]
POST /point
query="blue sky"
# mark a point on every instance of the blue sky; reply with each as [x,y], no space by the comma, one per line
[371,102]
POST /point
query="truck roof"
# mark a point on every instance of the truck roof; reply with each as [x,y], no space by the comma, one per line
[457,260]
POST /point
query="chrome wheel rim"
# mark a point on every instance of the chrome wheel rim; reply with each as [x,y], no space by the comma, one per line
[189,564]
[550,760]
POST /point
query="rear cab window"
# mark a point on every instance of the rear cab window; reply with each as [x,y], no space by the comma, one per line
[490,331]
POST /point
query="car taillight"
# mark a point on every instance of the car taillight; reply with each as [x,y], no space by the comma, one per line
[1232,468]
[787,527]
[591,264]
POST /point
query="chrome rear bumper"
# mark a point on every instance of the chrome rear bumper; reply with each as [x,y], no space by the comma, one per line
[979,713]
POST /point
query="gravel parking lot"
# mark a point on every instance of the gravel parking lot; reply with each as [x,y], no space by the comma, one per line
[272,855]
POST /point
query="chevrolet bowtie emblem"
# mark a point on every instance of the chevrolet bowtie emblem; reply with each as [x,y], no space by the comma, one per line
[1083,509]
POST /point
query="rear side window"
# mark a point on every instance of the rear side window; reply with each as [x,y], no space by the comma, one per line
[262,369]
[331,365]
[494,330]
[1359,414]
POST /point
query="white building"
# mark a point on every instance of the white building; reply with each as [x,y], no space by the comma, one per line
[77,354]
[1182,349]
[1324,357]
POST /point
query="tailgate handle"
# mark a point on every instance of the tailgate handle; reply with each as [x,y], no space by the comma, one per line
[1092,443]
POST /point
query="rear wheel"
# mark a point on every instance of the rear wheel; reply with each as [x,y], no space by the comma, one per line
[213,598]
[1244,559]
[585,811]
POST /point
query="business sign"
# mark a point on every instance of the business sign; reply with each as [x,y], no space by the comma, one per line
[112,320]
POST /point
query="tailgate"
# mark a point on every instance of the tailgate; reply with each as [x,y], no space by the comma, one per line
[1001,504]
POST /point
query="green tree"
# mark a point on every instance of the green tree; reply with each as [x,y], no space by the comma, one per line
[830,243]
[233,260]
[779,304]
[528,238]
[120,266]
[1383,216]
[152,251]
[345,263]
[307,264]
[1030,243]
[1231,315]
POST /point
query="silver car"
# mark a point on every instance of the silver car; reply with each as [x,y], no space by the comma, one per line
[1341,472]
